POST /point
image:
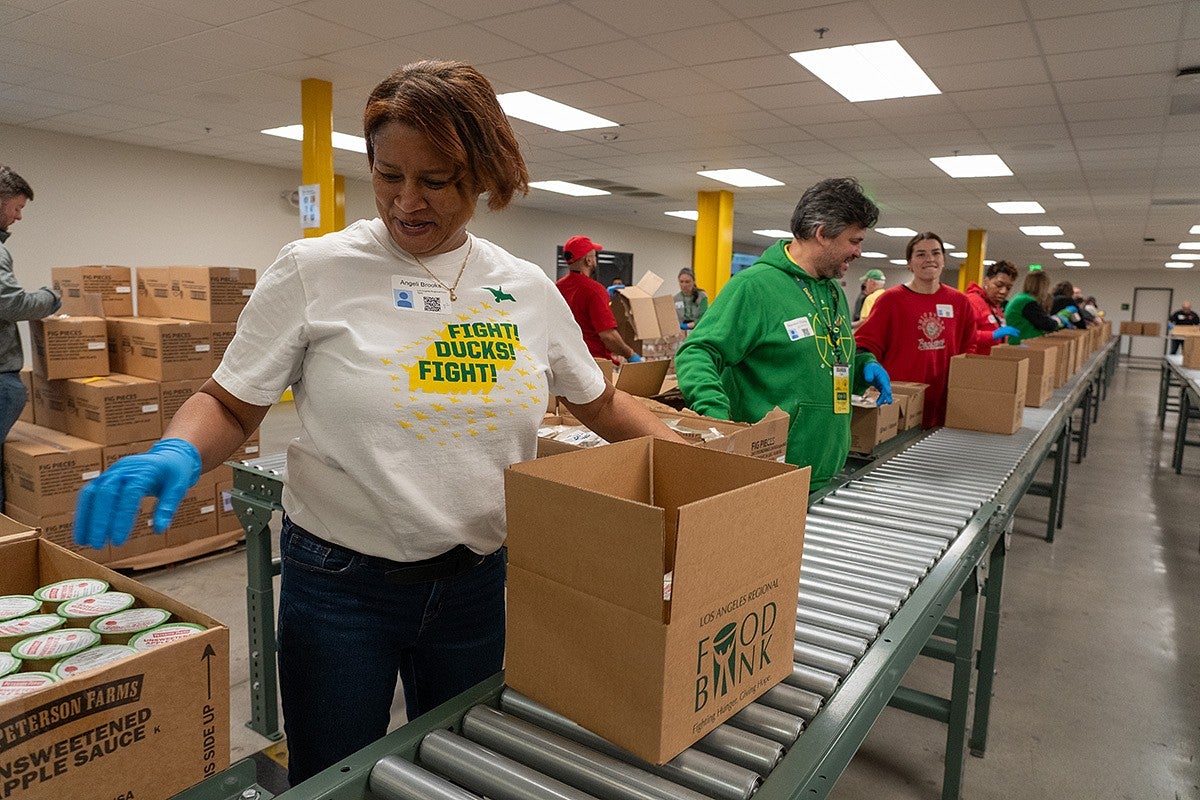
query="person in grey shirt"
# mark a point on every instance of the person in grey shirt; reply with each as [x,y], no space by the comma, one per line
[15,304]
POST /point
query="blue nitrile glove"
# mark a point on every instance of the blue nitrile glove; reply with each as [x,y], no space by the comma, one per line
[1170,326]
[1004,331]
[683,326]
[876,375]
[109,504]
[1064,317]
[633,359]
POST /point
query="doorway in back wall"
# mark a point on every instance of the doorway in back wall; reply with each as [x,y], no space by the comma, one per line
[1150,304]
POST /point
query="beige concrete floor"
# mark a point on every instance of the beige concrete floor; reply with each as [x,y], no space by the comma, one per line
[1098,687]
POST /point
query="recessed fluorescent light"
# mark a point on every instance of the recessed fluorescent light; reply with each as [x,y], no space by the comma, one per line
[987,262]
[564,187]
[739,177]
[1179,265]
[1189,245]
[1058,245]
[1017,207]
[948,246]
[958,254]
[896,232]
[342,141]
[1195,229]
[693,215]
[872,255]
[1068,255]
[1186,256]
[872,71]
[1077,263]
[988,166]
[775,233]
[1041,230]
[550,113]
[897,261]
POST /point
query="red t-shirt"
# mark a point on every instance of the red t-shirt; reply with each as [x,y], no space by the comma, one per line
[588,301]
[915,335]
[987,319]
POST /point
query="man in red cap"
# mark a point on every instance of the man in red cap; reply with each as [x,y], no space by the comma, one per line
[588,301]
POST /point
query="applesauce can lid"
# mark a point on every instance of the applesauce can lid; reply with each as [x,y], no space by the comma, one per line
[95,605]
[33,624]
[165,634]
[55,644]
[92,658]
[131,621]
[21,683]
[18,605]
[61,591]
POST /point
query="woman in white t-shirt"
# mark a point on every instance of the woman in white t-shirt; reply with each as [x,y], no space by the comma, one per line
[421,359]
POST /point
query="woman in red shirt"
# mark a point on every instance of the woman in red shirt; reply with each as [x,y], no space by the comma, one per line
[916,328]
[987,301]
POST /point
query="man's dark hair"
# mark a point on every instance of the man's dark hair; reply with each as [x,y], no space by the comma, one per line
[836,204]
[12,184]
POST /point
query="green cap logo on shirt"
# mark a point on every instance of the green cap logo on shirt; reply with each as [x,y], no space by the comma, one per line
[499,295]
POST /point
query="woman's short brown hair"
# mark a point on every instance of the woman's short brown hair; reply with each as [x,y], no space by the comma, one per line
[456,109]
[921,237]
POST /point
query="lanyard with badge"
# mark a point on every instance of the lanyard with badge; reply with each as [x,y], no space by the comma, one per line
[840,365]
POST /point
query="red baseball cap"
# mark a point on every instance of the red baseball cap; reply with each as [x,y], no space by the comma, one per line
[577,247]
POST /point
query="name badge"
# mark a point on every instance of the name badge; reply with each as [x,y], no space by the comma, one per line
[798,328]
[417,294]
[945,310]
[841,388]
[992,319]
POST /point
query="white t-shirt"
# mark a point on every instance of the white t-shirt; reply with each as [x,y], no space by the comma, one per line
[409,415]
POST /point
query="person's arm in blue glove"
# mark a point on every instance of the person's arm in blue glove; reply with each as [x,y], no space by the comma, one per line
[1004,331]
[876,375]
[204,432]
[634,358]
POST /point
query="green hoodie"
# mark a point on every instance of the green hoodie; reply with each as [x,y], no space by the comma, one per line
[752,352]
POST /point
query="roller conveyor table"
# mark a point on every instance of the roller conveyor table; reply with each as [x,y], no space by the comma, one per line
[858,628]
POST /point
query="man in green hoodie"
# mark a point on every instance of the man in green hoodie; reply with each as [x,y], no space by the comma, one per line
[779,334]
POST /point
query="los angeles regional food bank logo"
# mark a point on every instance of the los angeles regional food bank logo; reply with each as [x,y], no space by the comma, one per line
[730,658]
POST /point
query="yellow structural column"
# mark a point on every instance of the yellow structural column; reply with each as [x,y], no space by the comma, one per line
[714,241]
[316,112]
[972,269]
[339,202]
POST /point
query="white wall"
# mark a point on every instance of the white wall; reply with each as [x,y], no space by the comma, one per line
[99,202]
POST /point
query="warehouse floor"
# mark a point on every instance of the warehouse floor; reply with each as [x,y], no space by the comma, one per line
[1098,686]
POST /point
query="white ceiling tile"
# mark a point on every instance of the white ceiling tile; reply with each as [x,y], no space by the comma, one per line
[60,34]
[641,18]
[382,20]
[844,23]
[377,58]
[1150,107]
[473,9]
[799,96]
[1108,127]
[1126,87]
[1116,61]
[532,73]
[701,105]
[636,112]
[710,44]
[916,17]
[468,43]
[989,74]
[749,73]
[535,27]
[628,57]
[593,94]
[213,12]
[1041,94]
[230,47]
[126,17]
[666,83]
[303,33]
[45,99]
[1098,31]
[993,43]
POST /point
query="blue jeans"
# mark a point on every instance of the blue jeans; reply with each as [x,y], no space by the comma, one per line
[12,402]
[346,633]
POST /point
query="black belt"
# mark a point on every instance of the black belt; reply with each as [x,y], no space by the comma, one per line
[455,561]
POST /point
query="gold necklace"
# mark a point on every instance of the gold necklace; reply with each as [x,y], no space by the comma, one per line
[453,296]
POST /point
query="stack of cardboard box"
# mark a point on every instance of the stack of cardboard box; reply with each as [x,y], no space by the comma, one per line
[106,383]
[648,323]
[986,394]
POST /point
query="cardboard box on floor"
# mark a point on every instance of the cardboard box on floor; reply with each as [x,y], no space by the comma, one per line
[210,294]
[144,727]
[114,409]
[160,349]
[595,540]
[642,316]
[57,528]
[1042,369]
[871,426]
[69,347]
[45,469]
[154,291]
[113,285]
[986,394]
[49,402]
[911,397]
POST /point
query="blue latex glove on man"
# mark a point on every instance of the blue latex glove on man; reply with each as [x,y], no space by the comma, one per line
[1004,331]
[876,375]
[634,359]
[109,505]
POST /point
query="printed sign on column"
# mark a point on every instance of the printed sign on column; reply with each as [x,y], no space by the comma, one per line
[310,205]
